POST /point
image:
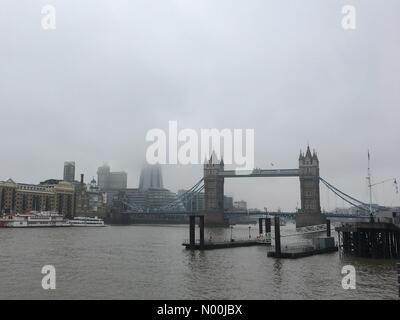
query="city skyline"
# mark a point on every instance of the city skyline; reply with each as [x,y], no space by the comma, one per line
[328,201]
[315,83]
[197,156]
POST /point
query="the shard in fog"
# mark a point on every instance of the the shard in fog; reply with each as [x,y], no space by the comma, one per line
[151,177]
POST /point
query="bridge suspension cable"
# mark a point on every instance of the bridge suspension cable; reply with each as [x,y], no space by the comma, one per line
[134,206]
[345,197]
[174,204]
[197,188]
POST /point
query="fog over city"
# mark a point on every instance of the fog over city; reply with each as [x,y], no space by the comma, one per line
[90,90]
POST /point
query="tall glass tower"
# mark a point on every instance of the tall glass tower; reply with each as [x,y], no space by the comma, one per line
[151,178]
[69,171]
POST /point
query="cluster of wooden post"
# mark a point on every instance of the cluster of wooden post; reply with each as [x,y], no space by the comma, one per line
[267,225]
[192,231]
[372,243]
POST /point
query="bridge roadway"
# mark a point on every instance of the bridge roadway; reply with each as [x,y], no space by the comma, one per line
[259,173]
[291,214]
[261,214]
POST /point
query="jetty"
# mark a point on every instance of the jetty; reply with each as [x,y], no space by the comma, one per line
[377,240]
[305,250]
[224,244]
[319,245]
[201,244]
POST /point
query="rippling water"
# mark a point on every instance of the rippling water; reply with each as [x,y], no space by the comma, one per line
[148,262]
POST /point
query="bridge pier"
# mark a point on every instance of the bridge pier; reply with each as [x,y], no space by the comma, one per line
[310,212]
[309,219]
[214,193]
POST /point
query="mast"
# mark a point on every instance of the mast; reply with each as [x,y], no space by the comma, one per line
[370,187]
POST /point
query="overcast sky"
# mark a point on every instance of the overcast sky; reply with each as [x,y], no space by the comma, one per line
[91,89]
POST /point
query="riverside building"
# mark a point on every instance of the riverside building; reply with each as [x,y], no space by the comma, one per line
[21,197]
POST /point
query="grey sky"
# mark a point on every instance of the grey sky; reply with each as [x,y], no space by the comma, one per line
[89,90]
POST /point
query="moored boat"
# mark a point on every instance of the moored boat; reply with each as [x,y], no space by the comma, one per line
[33,219]
[86,222]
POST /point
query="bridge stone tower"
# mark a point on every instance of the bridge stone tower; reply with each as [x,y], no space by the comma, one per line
[214,192]
[310,212]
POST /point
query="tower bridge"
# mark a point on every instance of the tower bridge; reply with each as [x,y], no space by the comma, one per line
[212,184]
[259,173]
[308,173]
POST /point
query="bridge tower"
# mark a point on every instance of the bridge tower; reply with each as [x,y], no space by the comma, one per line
[214,192]
[310,212]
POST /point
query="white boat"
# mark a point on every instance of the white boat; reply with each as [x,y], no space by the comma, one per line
[86,222]
[264,238]
[33,219]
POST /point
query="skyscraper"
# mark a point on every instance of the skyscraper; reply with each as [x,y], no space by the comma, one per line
[103,175]
[151,194]
[151,177]
[69,171]
[108,180]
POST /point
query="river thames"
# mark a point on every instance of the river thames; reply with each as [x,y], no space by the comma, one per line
[149,262]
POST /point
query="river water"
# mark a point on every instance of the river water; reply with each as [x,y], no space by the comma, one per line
[149,262]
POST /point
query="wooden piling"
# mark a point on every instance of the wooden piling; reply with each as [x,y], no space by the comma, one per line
[192,231]
[201,225]
[267,225]
[328,228]
[384,243]
[361,240]
[277,228]
[398,244]
[356,243]
[373,244]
